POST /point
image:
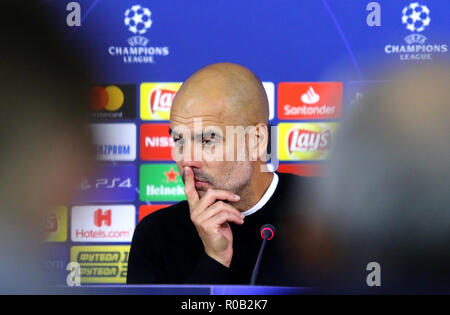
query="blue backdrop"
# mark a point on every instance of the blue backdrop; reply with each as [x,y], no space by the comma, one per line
[281,41]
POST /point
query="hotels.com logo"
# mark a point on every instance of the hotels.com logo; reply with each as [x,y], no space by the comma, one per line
[309,100]
[101,218]
[94,224]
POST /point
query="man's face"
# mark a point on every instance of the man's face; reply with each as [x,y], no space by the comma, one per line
[198,126]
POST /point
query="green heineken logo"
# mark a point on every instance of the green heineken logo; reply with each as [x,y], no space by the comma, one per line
[161,182]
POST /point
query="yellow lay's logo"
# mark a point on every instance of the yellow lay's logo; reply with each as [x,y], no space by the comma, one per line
[101,264]
[305,141]
[156,100]
[55,225]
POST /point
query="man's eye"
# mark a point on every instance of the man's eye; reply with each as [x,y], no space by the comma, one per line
[178,141]
[207,141]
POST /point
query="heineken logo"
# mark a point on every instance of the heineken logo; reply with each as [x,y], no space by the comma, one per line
[171,175]
[161,182]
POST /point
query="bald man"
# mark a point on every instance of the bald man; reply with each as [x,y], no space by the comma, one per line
[219,123]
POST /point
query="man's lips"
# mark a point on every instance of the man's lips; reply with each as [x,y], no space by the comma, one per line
[200,183]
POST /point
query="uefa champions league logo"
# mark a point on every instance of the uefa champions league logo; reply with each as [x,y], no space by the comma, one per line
[138,21]
[416,17]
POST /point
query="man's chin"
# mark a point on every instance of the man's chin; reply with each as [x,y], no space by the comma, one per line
[202,186]
[201,192]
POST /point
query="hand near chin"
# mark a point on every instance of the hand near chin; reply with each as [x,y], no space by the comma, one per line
[210,215]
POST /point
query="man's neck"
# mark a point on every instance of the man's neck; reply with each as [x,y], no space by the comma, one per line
[252,193]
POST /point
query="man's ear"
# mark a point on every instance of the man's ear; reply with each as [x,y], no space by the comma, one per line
[261,141]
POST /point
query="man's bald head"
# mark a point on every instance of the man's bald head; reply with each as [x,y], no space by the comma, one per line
[218,122]
[232,91]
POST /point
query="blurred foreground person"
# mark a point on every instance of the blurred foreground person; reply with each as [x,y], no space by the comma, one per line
[45,143]
[386,197]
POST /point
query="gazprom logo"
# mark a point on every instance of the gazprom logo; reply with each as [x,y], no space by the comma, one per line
[115,142]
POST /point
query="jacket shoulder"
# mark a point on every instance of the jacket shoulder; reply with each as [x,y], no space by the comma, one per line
[161,218]
[296,187]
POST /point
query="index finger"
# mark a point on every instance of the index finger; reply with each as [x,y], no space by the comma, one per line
[189,187]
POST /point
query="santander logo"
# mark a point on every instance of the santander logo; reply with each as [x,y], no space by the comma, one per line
[310,96]
[300,140]
[161,100]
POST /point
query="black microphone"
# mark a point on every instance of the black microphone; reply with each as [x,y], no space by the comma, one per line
[267,233]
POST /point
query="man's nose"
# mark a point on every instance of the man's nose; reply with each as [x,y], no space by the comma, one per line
[188,157]
[188,160]
[191,164]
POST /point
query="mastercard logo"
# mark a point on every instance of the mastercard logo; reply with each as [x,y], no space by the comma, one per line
[109,98]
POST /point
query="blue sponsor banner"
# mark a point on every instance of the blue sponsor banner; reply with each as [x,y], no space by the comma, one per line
[356,91]
[55,263]
[112,183]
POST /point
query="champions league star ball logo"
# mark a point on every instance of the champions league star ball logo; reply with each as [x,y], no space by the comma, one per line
[416,17]
[137,19]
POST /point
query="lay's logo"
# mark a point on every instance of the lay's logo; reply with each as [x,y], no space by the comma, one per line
[301,140]
[156,100]
[305,141]
[161,100]
[55,225]
[51,223]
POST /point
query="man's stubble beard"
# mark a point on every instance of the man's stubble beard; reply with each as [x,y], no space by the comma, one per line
[237,179]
